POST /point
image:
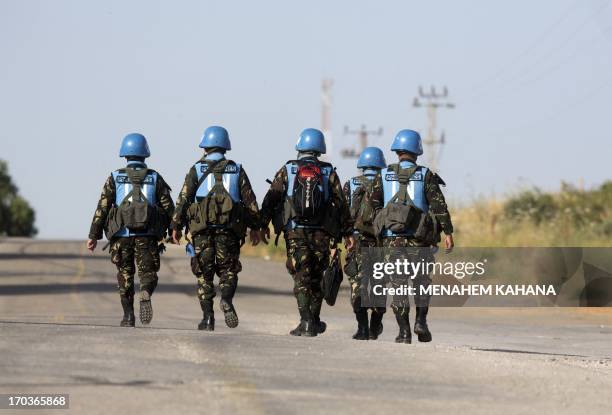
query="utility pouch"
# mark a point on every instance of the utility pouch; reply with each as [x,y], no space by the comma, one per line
[196,218]
[238,220]
[113,224]
[428,230]
[160,223]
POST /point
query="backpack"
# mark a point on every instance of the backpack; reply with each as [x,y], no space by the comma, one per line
[361,207]
[400,215]
[308,194]
[135,214]
[217,208]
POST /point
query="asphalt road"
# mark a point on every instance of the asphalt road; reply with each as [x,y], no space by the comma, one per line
[59,312]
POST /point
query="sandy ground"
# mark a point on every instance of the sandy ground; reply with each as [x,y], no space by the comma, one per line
[59,312]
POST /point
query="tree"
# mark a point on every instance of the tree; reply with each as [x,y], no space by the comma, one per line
[16,215]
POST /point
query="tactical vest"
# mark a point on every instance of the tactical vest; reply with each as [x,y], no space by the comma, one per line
[218,201]
[230,176]
[123,187]
[292,168]
[415,188]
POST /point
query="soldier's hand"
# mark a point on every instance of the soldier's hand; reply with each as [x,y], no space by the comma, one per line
[254,236]
[349,242]
[91,244]
[264,235]
[449,243]
[176,236]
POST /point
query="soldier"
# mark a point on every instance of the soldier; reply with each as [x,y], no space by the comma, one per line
[306,203]
[217,204]
[134,211]
[407,185]
[364,196]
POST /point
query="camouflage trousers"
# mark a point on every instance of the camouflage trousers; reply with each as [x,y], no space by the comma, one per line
[354,269]
[307,258]
[217,252]
[397,247]
[144,252]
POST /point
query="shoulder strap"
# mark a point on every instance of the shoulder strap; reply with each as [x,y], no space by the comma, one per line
[209,169]
[136,177]
[403,176]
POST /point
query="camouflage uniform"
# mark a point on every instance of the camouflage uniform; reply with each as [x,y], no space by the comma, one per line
[354,259]
[438,208]
[216,250]
[308,250]
[144,250]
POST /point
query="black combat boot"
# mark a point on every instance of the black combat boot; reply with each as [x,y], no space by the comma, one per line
[376,326]
[307,325]
[315,309]
[363,331]
[307,328]
[146,309]
[403,322]
[208,316]
[420,325]
[231,318]
[129,320]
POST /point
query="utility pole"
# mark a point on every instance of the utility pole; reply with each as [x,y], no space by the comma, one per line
[362,135]
[326,102]
[432,101]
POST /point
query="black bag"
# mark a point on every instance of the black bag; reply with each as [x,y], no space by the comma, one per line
[332,278]
[308,196]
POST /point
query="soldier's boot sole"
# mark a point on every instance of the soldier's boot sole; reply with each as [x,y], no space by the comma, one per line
[321,327]
[231,318]
[146,308]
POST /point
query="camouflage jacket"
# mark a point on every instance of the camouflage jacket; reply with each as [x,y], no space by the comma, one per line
[435,200]
[188,192]
[275,198]
[107,200]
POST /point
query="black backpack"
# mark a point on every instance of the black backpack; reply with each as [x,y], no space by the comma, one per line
[308,195]
[135,214]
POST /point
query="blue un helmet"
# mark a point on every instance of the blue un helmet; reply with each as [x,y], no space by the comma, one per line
[215,136]
[134,145]
[372,157]
[408,140]
[311,139]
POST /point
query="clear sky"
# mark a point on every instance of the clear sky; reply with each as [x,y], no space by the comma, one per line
[531,81]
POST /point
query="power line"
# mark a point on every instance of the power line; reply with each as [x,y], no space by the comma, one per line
[433,100]
[362,135]
[551,51]
[543,35]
